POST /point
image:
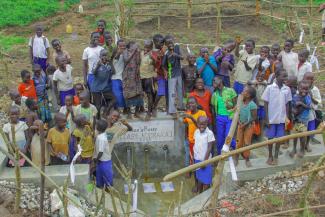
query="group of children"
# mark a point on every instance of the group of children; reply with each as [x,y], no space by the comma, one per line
[277,87]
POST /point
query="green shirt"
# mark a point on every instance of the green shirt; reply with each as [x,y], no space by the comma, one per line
[245,114]
[219,102]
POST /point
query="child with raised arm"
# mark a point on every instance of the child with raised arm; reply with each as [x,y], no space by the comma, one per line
[58,51]
[26,88]
[263,63]
[303,66]
[58,139]
[301,105]
[245,66]
[21,133]
[68,110]
[39,48]
[289,58]
[204,141]
[276,104]
[247,117]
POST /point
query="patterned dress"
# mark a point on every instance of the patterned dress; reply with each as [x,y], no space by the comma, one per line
[44,112]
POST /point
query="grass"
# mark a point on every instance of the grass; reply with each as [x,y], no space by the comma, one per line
[23,12]
[6,42]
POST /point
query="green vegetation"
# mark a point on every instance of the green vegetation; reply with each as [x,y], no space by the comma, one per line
[306,2]
[22,12]
[6,42]
[274,200]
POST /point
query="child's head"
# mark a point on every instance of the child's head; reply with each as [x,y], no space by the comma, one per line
[309,77]
[275,49]
[84,98]
[50,69]
[218,83]
[148,44]
[108,38]
[303,88]
[170,45]
[192,104]
[132,45]
[31,104]
[78,88]
[80,120]
[60,120]
[229,45]
[114,116]
[101,25]
[61,61]
[303,55]
[68,100]
[249,46]
[14,96]
[158,41]
[121,45]
[103,55]
[264,51]
[191,58]
[199,84]
[288,45]
[204,51]
[25,76]
[39,30]
[249,93]
[101,125]
[37,69]
[202,123]
[281,76]
[94,38]
[14,114]
[56,44]
[259,77]
[169,39]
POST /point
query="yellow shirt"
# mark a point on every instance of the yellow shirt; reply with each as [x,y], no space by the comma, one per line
[191,126]
[59,141]
[147,69]
[87,145]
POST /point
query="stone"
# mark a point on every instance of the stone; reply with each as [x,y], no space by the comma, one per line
[321,173]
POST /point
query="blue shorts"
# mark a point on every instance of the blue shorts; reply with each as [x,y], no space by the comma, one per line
[117,89]
[238,87]
[311,125]
[204,175]
[104,174]
[260,112]
[275,131]
[90,79]
[162,87]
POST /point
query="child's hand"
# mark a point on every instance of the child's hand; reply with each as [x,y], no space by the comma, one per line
[123,121]
[238,40]
[244,61]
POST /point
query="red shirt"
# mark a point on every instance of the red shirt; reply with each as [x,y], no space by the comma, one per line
[101,38]
[76,100]
[157,56]
[204,102]
[27,89]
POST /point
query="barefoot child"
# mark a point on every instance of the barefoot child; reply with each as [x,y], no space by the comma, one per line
[68,111]
[58,51]
[303,66]
[204,141]
[27,87]
[276,104]
[301,105]
[21,133]
[87,109]
[247,117]
[58,139]
[189,74]
[289,58]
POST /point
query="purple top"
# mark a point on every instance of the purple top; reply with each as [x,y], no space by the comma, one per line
[227,58]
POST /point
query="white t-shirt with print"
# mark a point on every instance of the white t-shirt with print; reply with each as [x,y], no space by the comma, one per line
[92,55]
[20,129]
[201,143]
[64,79]
[39,47]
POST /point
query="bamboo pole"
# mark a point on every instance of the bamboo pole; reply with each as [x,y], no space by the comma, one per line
[284,213]
[17,167]
[189,14]
[218,25]
[42,141]
[240,150]
[309,171]
[272,19]
[257,7]
[158,18]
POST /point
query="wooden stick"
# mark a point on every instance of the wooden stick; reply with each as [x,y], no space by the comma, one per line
[257,7]
[240,150]
[281,213]
[218,21]
[280,18]
[189,14]
[42,141]
[309,171]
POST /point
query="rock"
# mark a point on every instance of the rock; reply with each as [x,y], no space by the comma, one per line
[321,173]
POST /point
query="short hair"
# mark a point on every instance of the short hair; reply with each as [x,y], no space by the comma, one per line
[85,93]
[219,79]
[50,69]
[275,45]
[79,84]
[39,27]
[78,118]
[251,90]
[55,41]
[192,97]
[103,51]
[290,41]
[107,34]
[24,72]
[157,37]
[265,47]
[101,125]
[279,71]
[119,41]
[304,53]
[148,42]
[168,37]
[36,67]
[251,41]
[93,33]
[103,21]
[59,115]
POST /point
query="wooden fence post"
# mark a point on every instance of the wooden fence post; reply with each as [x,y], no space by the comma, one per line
[218,25]
[189,14]
[272,19]
[158,18]
[258,7]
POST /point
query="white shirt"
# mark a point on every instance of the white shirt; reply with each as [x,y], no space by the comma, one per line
[306,67]
[316,96]
[102,145]
[277,99]
[92,55]
[64,79]
[39,47]
[290,62]
[119,68]
[201,143]
[20,129]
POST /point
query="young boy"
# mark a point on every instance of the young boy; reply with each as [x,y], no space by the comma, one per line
[109,45]
[63,80]
[247,117]
[303,66]
[87,109]
[204,140]
[116,127]
[301,105]
[207,68]
[21,133]
[289,58]
[147,74]
[274,59]
[68,111]
[276,104]
[27,87]
[190,121]
[19,101]
[58,139]
[56,44]
[189,75]
[50,91]
[263,63]
[101,25]
[78,88]
[173,72]
[245,66]
[39,48]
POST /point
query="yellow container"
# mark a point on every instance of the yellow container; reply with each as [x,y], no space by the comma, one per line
[68,29]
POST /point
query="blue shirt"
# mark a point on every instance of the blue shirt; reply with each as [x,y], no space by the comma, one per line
[207,74]
[301,114]
[40,85]
[102,79]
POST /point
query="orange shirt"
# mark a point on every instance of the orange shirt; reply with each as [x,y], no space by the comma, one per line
[191,126]
[204,102]
[27,89]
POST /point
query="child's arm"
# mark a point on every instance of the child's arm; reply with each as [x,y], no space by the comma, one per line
[94,122]
[48,54]
[247,67]
[56,91]
[213,67]
[200,70]
[254,115]
[31,52]
[207,154]
[125,123]
[266,107]
[28,136]
[192,119]
[85,71]
[100,154]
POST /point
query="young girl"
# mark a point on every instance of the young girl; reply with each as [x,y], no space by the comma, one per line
[82,135]
[27,87]
[247,116]
[204,141]
[87,109]
[68,111]
[41,83]
[50,91]
[58,51]
[20,130]
[303,66]
[63,80]
[58,139]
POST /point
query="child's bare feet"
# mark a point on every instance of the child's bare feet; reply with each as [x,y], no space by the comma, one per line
[154,113]
[285,146]
[301,154]
[248,163]
[236,161]
[308,149]
[275,161]
[148,117]
[270,161]
[292,153]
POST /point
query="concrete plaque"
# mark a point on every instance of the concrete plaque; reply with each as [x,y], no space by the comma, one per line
[150,131]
